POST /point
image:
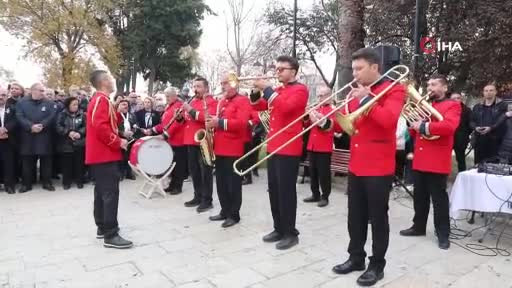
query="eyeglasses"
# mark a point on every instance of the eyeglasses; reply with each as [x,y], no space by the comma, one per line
[281,69]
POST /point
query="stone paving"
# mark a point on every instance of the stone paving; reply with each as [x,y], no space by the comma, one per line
[48,240]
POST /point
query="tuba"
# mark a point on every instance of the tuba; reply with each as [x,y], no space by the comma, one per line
[417,109]
[205,139]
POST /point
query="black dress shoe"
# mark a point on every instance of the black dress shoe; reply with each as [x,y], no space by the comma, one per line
[193,203]
[412,232]
[273,236]
[204,207]
[117,242]
[66,187]
[229,222]
[80,185]
[100,234]
[311,199]
[218,217]
[370,276]
[323,203]
[348,266]
[48,187]
[443,243]
[168,189]
[175,191]
[9,190]
[287,242]
[24,189]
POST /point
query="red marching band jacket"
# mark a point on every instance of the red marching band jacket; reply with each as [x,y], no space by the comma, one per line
[373,145]
[435,156]
[175,132]
[230,135]
[321,139]
[254,120]
[195,119]
[102,142]
[286,104]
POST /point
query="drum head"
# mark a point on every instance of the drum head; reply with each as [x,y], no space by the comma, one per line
[155,156]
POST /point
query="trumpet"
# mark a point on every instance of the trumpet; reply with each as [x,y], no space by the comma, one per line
[347,123]
[234,80]
[417,108]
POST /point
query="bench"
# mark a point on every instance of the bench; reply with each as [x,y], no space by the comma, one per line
[339,162]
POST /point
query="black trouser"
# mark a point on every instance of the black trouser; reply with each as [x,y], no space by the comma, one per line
[56,164]
[400,164]
[282,180]
[29,163]
[202,177]
[8,164]
[124,167]
[253,158]
[246,163]
[460,153]
[320,170]
[431,184]
[179,174]
[106,197]
[73,166]
[485,147]
[229,187]
[368,198]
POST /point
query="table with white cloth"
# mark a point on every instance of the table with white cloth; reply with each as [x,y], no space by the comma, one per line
[481,192]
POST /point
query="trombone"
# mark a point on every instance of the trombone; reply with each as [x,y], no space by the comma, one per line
[347,120]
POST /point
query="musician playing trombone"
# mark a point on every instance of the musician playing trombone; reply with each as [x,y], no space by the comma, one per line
[371,165]
[285,103]
[195,119]
[230,126]
[319,147]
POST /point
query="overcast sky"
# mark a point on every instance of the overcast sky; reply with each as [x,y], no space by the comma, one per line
[213,38]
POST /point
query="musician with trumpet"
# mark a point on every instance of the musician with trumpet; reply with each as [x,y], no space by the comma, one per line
[432,161]
[319,147]
[202,106]
[172,127]
[285,104]
[230,124]
[372,163]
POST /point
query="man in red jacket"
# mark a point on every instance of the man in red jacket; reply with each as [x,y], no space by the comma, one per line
[432,163]
[371,166]
[202,174]
[103,152]
[286,103]
[175,135]
[320,145]
[230,131]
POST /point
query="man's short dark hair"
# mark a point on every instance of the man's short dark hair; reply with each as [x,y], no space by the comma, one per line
[369,54]
[96,77]
[441,78]
[124,100]
[202,79]
[294,64]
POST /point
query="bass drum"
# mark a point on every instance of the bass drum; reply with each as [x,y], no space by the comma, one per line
[152,155]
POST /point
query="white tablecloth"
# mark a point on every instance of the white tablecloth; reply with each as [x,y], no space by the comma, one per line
[472,191]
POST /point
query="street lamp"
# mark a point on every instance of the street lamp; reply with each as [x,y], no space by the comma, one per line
[294,50]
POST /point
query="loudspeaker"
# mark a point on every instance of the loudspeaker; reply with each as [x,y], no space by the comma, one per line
[389,57]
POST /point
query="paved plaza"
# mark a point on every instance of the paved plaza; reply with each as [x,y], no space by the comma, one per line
[48,240]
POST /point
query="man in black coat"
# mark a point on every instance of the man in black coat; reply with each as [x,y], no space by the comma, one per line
[7,142]
[461,138]
[147,118]
[486,120]
[35,117]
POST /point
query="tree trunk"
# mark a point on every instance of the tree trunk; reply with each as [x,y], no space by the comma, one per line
[151,81]
[350,36]
[68,63]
